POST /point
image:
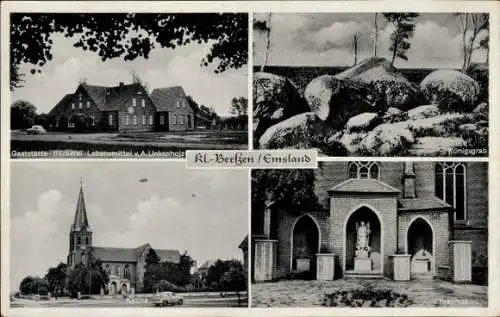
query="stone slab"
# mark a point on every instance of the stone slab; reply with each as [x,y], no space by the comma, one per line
[362,264]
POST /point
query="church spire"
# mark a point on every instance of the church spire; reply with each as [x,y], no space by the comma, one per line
[80,220]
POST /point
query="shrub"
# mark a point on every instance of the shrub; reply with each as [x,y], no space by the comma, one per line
[367,296]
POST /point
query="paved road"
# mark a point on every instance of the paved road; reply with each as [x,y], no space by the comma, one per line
[119,302]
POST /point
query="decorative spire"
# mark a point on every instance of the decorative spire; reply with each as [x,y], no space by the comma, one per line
[80,220]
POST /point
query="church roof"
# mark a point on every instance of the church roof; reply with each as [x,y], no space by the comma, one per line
[430,202]
[80,220]
[366,185]
[110,254]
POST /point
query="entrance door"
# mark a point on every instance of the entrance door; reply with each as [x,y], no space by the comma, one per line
[112,290]
[124,289]
[305,246]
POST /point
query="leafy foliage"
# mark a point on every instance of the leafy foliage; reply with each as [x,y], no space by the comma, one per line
[292,189]
[367,296]
[404,29]
[22,114]
[87,278]
[127,35]
[178,274]
[226,275]
[56,277]
[239,106]
[34,285]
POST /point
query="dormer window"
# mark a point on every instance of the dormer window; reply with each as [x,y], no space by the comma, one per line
[364,170]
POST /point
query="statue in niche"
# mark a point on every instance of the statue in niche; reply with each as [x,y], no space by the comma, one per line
[363,240]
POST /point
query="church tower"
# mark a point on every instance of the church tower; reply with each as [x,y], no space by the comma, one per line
[80,236]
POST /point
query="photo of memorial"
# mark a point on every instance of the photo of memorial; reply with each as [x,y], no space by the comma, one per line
[372,84]
[371,234]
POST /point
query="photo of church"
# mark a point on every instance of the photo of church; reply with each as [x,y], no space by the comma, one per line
[395,221]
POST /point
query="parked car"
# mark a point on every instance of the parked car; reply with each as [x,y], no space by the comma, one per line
[167,299]
[36,129]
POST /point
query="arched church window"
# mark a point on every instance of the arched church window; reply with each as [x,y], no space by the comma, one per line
[126,272]
[86,240]
[108,269]
[449,185]
[363,170]
[78,240]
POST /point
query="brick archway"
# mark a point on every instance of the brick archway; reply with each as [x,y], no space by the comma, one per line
[305,240]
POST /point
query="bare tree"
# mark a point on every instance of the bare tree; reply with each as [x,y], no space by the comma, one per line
[355,45]
[136,79]
[474,23]
[268,40]
[375,39]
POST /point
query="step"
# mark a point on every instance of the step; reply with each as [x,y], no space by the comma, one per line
[364,275]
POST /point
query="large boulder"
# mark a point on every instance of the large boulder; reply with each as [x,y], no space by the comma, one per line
[387,140]
[389,87]
[303,131]
[275,98]
[335,101]
[423,112]
[451,90]
[362,122]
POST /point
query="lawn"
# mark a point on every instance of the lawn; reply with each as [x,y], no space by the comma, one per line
[425,293]
[130,142]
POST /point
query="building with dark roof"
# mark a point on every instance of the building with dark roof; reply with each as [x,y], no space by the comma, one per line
[124,266]
[123,108]
[400,220]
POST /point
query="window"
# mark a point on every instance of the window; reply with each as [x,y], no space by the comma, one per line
[110,119]
[78,240]
[126,272]
[178,104]
[126,119]
[134,102]
[174,119]
[135,119]
[88,104]
[449,182]
[117,271]
[181,119]
[86,240]
[162,119]
[80,105]
[80,97]
[72,105]
[363,170]
[151,119]
[143,119]
[143,103]
[93,119]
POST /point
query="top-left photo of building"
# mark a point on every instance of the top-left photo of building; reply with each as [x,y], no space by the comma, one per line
[127,84]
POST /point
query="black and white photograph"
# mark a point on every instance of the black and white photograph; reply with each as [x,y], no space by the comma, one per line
[127,234]
[372,84]
[122,84]
[371,234]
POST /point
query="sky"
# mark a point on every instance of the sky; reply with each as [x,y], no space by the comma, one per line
[177,208]
[325,39]
[164,67]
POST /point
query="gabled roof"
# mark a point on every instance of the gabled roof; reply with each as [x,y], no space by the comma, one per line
[107,254]
[367,185]
[61,105]
[165,99]
[111,98]
[422,203]
[80,221]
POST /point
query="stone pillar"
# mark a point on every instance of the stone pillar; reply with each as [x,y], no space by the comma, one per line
[400,267]
[460,261]
[325,266]
[267,222]
[265,259]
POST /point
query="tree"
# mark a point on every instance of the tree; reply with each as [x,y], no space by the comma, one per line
[185,265]
[404,29]
[239,106]
[34,285]
[292,189]
[56,277]
[355,40]
[226,275]
[264,27]
[471,25]
[152,257]
[127,35]
[136,79]
[22,114]
[88,278]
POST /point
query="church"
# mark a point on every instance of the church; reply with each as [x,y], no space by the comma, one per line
[124,266]
[398,220]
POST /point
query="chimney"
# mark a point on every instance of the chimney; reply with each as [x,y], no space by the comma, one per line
[121,84]
[409,181]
